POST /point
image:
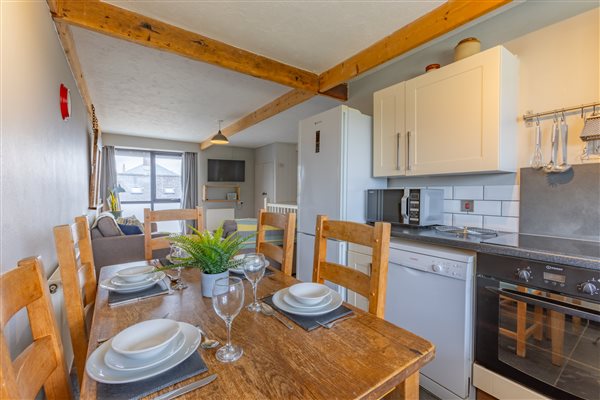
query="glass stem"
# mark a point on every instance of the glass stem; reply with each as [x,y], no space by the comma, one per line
[228,323]
[254,286]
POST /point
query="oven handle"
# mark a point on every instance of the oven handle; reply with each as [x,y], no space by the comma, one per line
[553,305]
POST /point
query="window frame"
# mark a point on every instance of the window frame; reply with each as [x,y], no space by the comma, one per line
[153,154]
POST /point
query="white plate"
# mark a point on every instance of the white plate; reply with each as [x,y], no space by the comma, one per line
[288,298]
[136,273]
[107,284]
[336,301]
[240,269]
[121,363]
[118,281]
[97,369]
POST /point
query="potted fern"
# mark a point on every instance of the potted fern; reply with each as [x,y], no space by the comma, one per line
[209,252]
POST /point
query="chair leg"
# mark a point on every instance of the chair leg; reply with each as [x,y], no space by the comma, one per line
[538,320]
[409,389]
[521,328]
[557,334]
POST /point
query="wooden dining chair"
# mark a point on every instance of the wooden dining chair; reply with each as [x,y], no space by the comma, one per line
[377,237]
[150,243]
[78,274]
[284,255]
[42,363]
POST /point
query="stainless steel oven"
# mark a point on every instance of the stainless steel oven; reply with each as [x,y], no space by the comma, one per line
[539,325]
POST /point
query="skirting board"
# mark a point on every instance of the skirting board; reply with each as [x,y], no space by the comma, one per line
[501,387]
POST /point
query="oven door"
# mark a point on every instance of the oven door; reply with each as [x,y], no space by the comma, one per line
[544,340]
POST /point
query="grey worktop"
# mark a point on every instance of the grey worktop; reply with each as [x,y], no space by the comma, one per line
[432,236]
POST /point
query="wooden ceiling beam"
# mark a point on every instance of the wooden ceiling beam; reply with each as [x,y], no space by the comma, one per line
[280,104]
[127,25]
[436,23]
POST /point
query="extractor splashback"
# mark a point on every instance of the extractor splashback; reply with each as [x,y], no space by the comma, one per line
[562,205]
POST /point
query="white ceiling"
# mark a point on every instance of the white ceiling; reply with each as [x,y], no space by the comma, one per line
[144,92]
[309,34]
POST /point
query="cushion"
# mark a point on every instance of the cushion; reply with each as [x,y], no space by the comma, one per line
[130,221]
[130,229]
[107,225]
[96,233]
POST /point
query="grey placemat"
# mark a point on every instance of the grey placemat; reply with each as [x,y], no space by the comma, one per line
[310,323]
[160,287]
[192,366]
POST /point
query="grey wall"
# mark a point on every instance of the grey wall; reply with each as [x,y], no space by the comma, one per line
[500,29]
[245,209]
[45,162]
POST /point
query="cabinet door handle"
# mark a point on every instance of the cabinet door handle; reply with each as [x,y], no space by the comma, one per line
[408,151]
[398,151]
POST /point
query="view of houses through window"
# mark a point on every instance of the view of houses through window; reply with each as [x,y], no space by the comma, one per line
[151,179]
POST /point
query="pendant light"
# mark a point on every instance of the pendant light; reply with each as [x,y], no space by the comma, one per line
[219,138]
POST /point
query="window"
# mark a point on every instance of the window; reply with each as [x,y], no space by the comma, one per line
[151,179]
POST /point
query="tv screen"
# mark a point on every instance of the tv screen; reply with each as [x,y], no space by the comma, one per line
[226,170]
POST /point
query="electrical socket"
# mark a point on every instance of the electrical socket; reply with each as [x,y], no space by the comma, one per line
[467,205]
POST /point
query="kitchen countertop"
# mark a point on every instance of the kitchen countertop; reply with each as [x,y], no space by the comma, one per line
[511,248]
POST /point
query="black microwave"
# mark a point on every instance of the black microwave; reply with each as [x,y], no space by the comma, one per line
[406,206]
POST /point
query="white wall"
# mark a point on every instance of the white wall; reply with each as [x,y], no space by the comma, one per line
[284,160]
[45,162]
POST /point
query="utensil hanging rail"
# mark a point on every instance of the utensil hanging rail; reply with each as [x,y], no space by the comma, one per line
[559,111]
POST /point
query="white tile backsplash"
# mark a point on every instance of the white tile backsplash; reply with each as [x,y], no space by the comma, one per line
[501,192]
[495,207]
[506,224]
[467,220]
[510,208]
[468,192]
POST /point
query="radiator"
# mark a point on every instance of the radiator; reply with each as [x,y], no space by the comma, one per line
[216,216]
[58,302]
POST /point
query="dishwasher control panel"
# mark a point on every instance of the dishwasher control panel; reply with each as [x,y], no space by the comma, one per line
[427,263]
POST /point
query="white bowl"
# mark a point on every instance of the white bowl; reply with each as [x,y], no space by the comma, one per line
[147,339]
[309,293]
[135,274]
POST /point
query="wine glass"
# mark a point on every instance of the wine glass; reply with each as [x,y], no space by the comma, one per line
[227,300]
[175,255]
[254,268]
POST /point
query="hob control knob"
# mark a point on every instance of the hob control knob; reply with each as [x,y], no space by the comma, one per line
[524,275]
[588,288]
[436,268]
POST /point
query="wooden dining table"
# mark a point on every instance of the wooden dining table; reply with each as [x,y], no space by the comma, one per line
[364,357]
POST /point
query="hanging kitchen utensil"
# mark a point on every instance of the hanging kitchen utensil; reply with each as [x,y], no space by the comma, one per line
[591,134]
[537,161]
[554,154]
[564,135]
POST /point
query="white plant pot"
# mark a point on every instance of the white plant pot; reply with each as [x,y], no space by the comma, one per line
[208,282]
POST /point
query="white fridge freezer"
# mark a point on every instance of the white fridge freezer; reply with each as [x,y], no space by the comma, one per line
[334,172]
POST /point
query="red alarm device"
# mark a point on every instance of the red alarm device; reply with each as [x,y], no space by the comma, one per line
[65,102]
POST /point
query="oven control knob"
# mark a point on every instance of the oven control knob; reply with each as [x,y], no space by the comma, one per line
[588,288]
[524,275]
[437,268]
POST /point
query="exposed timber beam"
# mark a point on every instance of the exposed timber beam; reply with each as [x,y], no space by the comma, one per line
[280,104]
[438,22]
[127,25]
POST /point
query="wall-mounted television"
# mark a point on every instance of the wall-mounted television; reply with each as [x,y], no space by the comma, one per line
[226,170]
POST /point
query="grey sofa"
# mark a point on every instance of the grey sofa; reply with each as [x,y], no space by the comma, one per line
[112,247]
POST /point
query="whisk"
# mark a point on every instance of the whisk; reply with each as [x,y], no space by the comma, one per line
[537,161]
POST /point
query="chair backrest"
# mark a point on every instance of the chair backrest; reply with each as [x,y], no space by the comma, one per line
[284,254]
[377,237]
[150,243]
[42,363]
[78,274]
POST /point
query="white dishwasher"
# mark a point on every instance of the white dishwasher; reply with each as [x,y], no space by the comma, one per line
[430,293]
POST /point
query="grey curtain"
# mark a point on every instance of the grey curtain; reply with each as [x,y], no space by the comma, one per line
[108,175]
[189,185]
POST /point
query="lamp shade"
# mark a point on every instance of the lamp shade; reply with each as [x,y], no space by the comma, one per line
[219,138]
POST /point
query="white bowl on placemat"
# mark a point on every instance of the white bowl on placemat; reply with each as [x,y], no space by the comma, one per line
[280,303]
[290,300]
[135,274]
[309,293]
[97,369]
[126,287]
[147,339]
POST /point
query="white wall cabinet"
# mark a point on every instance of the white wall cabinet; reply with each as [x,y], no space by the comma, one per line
[459,119]
[389,131]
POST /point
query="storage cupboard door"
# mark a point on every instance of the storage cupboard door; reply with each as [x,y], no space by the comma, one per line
[452,117]
[389,151]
